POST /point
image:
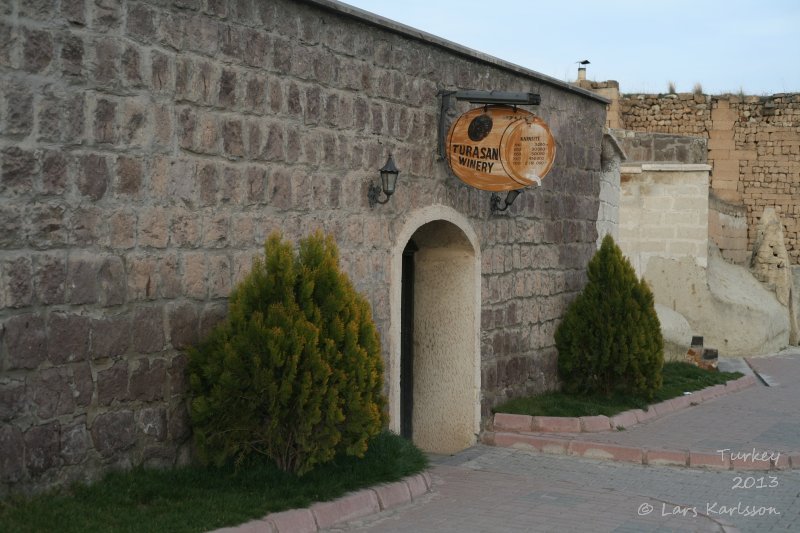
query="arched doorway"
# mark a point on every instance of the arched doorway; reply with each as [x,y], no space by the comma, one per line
[435,378]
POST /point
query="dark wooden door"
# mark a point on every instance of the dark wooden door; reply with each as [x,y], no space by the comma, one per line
[407,343]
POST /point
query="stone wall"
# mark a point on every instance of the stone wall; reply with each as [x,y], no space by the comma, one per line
[754,147]
[663,213]
[727,229]
[148,148]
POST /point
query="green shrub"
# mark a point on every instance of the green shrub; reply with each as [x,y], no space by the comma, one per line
[295,371]
[610,339]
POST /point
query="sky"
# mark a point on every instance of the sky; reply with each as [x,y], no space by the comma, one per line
[727,46]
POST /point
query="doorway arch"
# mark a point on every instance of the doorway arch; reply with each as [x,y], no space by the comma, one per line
[445,416]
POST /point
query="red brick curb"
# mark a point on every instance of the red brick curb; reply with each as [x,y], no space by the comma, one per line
[349,507]
[505,422]
[559,445]
[530,433]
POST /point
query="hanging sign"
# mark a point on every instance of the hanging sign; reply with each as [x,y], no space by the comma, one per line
[500,148]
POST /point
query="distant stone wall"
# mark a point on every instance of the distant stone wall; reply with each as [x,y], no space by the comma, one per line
[644,147]
[753,142]
[148,148]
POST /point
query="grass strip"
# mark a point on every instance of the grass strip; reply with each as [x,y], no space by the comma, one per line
[678,377]
[197,498]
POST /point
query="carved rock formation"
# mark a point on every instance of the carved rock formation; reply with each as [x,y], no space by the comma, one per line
[770,263]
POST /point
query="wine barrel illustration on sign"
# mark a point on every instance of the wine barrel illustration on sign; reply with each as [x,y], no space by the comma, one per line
[500,148]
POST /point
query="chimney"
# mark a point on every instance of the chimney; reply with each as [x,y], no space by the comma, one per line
[581,73]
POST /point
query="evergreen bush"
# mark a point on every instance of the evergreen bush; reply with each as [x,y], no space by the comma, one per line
[610,339]
[295,371]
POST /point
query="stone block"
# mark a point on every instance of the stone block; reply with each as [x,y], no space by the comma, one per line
[169,276]
[552,445]
[153,224]
[161,71]
[148,380]
[219,276]
[178,426]
[111,282]
[750,464]
[17,288]
[42,447]
[226,96]
[112,384]
[195,275]
[50,278]
[93,177]
[18,171]
[142,278]
[293,521]
[709,460]
[12,453]
[55,172]
[141,23]
[152,421]
[129,176]
[392,494]
[667,458]
[74,443]
[18,110]
[184,323]
[105,121]
[663,408]
[594,424]
[26,341]
[185,231]
[49,393]
[82,283]
[233,186]
[148,329]
[418,485]
[187,126]
[12,400]
[132,67]
[601,450]
[510,422]
[347,508]
[215,230]
[37,50]
[624,420]
[87,228]
[122,229]
[82,384]
[208,134]
[113,432]
[111,336]
[556,424]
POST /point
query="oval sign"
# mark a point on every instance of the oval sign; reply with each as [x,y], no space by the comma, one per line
[499,148]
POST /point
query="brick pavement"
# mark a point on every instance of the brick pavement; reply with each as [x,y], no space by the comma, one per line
[758,417]
[488,489]
[501,489]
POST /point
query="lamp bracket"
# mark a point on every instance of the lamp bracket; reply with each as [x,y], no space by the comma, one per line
[374,194]
[486,98]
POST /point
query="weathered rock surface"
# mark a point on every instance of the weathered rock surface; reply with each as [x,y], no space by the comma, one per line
[676,331]
[724,303]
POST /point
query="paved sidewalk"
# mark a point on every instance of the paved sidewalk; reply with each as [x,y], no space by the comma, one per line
[499,489]
[487,489]
[760,417]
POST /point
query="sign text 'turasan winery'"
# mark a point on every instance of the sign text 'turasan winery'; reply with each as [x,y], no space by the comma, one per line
[500,148]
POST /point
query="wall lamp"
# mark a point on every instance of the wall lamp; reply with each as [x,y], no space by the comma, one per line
[389,174]
[494,202]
